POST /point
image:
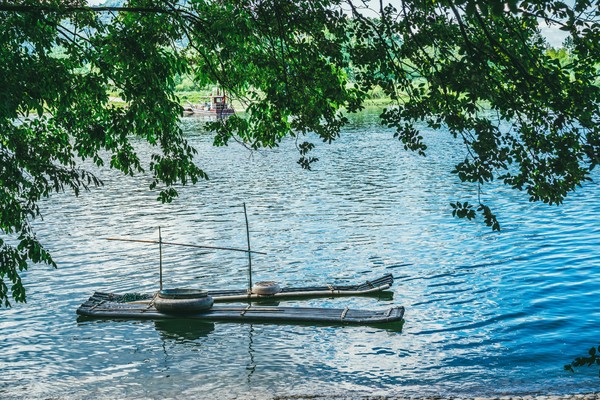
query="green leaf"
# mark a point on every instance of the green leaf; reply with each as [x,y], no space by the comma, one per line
[569,367]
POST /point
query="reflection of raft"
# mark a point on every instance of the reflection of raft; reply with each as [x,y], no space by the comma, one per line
[182,329]
[104,305]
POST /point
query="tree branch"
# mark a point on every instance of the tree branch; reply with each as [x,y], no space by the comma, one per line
[44,8]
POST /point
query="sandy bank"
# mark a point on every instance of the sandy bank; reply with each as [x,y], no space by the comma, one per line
[588,396]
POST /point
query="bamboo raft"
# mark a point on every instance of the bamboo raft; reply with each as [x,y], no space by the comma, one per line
[105,305]
[366,288]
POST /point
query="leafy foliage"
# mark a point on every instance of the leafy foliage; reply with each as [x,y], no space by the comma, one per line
[527,117]
[483,71]
[594,358]
[54,110]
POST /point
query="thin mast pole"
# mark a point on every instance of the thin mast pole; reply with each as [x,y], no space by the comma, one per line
[184,245]
[249,251]
[160,258]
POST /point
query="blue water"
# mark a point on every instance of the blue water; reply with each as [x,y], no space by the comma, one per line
[487,313]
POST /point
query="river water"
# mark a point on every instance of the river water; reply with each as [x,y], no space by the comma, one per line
[487,313]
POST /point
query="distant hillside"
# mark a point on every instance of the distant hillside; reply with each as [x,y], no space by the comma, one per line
[112,3]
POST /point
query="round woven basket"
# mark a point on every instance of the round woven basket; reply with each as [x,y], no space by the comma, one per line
[266,288]
[182,301]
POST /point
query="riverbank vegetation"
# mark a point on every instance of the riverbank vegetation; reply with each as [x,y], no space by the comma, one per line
[299,67]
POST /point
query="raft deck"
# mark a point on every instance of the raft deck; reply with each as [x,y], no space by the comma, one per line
[105,305]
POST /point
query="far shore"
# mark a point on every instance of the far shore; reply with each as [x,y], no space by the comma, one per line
[187,98]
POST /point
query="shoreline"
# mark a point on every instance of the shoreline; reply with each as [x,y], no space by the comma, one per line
[579,396]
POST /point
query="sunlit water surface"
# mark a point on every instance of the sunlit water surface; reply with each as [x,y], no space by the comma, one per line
[486,313]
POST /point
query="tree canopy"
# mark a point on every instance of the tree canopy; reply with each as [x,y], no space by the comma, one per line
[481,69]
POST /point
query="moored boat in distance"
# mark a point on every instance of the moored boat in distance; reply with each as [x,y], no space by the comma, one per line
[217,105]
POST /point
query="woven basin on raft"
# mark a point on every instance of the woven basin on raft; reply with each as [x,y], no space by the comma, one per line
[182,301]
[266,288]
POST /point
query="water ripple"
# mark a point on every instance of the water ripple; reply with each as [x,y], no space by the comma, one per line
[487,312]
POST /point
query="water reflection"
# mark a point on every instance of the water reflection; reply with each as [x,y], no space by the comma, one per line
[251,365]
[183,330]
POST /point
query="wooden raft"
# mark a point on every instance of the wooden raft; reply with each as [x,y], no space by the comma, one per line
[104,305]
[366,288]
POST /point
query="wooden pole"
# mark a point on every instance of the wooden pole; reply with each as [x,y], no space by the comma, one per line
[183,244]
[249,252]
[160,258]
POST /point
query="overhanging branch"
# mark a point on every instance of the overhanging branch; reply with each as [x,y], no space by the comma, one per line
[73,9]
